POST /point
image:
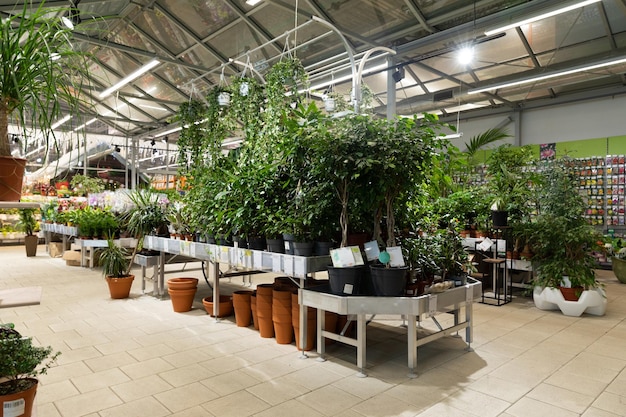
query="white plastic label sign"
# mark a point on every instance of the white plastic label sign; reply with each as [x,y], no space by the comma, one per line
[395,255]
[432,305]
[13,408]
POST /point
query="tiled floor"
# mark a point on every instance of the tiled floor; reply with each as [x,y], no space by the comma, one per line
[136,357]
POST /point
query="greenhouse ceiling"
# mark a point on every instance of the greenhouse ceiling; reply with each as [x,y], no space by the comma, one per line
[573,55]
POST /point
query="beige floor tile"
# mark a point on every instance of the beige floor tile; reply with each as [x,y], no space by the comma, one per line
[444,409]
[65,372]
[230,382]
[194,412]
[366,388]
[529,407]
[117,346]
[386,405]
[90,402]
[150,367]
[46,410]
[98,380]
[139,388]
[236,404]
[143,407]
[48,393]
[478,403]
[505,389]
[313,377]
[596,412]
[576,383]
[224,364]
[612,403]
[560,397]
[329,400]
[110,361]
[290,409]
[180,398]
[177,377]
[278,390]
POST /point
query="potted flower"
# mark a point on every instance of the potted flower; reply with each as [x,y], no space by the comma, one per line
[116,265]
[20,364]
[28,224]
[31,81]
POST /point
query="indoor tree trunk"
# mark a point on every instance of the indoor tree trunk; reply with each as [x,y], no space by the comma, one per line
[342,192]
[391,221]
[5,149]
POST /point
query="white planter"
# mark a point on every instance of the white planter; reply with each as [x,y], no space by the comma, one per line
[329,104]
[244,89]
[223,99]
[591,301]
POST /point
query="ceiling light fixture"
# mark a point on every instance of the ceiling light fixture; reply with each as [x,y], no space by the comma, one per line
[574,70]
[465,55]
[558,9]
[398,74]
[252,2]
[85,124]
[60,122]
[129,78]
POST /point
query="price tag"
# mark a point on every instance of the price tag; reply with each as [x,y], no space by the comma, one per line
[192,250]
[224,254]
[185,248]
[432,305]
[13,408]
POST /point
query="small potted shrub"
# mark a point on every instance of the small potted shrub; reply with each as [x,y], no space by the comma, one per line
[116,269]
[20,364]
[28,224]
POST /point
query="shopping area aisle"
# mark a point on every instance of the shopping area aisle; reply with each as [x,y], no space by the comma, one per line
[136,357]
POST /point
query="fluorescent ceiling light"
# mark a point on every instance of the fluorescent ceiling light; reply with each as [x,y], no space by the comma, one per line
[252,2]
[85,124]
[176,129]
[60,122]
[544,15]
[129,78]
[451,136]
[550,75]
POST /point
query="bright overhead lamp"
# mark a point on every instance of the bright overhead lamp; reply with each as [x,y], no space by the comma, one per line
[167,132]
[451,136]
[60,122]
[252,2]
[554,74]
[129,78]
[465,55]
[558,9]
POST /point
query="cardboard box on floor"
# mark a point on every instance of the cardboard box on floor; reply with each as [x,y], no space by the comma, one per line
[55,249]
[72,258]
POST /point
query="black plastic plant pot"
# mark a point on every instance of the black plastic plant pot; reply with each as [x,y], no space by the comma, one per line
[499,218]
[389,282]
[346,280]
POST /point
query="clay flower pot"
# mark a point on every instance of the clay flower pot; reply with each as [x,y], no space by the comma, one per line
[182,300]
[225,308]
[242,306]
[120,287]
[182,283]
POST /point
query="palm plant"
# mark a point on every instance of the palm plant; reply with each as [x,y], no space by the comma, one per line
[40,75]
[114,260]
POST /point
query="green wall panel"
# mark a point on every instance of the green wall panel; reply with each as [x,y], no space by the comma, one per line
[617,145]
[582,148]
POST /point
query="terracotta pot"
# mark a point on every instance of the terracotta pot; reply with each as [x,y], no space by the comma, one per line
[281,316]
[264,309]
[225,307]
[120,287]
[11,178]
[255,319]
[311,325]
[182,300]
[241,305]
[182,283]
[571,294]
[27,396]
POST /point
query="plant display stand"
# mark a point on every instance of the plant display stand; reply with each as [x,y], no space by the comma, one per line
[591,302]
[450,301]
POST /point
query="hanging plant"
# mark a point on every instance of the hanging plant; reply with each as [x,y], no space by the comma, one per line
[191,139]
[245,108]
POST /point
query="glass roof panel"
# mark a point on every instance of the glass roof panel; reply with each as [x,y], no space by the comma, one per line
[590,48]
[202,17]
[563,30]
[512,67]
[158,26]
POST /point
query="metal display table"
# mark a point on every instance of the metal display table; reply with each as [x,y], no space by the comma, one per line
[66,232]
[411,308]
[239,260]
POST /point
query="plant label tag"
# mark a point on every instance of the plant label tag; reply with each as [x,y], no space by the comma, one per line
[432,305]
[371,250]
[356,253]
[224,257]
[13,408]
[348,288]
[185,248]
[396,258]
[342,257]
[485,245]
[257,259]
[192,250]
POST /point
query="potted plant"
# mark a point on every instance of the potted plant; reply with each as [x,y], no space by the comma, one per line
[20,364]
[28,224]
[562,241]
[116,265]
[31,81]
[618,260]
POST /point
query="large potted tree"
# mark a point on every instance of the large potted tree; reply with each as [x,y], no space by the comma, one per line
[39,75]
[20,364]
[563,244]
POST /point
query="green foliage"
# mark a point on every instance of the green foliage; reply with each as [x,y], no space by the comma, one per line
[30,81]
[27,222]
[147,214]
[20,359]
[115,260]
[86,184]
[561,238]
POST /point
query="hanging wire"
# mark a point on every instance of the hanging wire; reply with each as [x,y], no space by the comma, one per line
[295,25]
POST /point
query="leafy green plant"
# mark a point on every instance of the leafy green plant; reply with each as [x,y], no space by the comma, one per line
[115,260]
[27,222]
[84,184]
[41,71]
[21,360]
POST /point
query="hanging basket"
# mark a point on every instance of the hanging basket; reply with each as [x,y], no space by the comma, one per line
[329,104]
[223,98]
[244,89]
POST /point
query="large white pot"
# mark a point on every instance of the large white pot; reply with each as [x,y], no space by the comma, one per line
[590,301]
